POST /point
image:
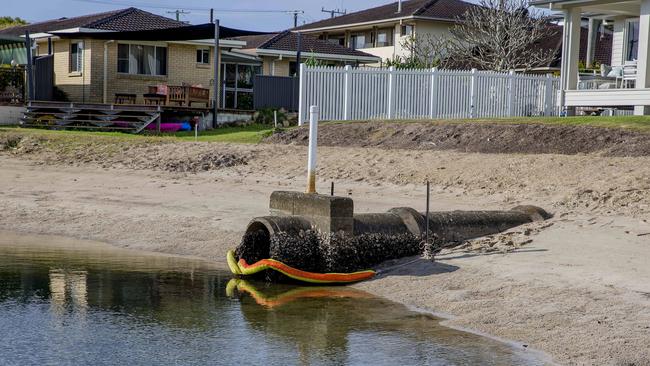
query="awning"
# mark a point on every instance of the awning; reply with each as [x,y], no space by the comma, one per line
[12,48]
[186,33]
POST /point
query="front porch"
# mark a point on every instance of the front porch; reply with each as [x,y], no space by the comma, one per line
[625,82]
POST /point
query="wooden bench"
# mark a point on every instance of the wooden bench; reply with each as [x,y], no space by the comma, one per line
[188,94]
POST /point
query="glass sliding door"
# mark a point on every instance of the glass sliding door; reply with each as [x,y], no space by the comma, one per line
[237,81]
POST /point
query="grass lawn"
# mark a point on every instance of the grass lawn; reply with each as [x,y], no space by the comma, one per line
[638,123]
[255,133]
[248,134]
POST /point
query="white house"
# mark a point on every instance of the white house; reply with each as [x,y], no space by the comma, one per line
[381,31]
[629,82]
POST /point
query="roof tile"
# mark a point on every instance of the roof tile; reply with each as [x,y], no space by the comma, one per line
[288,41]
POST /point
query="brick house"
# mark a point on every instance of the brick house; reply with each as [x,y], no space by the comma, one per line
[91,69]
[277,51]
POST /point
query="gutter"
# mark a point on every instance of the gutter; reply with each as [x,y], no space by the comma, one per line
[372,22]
[345,26]
[228,43]
[327,56]
[551,3]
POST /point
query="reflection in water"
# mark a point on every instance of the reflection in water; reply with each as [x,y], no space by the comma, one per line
[68,286]
[280,294]
[118,307]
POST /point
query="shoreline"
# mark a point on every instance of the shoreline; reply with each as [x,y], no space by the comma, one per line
[577,290]
[85,245]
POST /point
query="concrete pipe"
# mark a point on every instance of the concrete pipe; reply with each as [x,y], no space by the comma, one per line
[301,242]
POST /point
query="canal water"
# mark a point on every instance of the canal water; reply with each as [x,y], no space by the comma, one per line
[65,302]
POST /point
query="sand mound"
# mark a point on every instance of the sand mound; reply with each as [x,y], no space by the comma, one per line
[476,137]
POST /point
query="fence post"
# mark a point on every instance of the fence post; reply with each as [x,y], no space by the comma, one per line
[511,94]
[472,98]
[548,111]
[433,102]
[301,95]
[391,92]
[347,93]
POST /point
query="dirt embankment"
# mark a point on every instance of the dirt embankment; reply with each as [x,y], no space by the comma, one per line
[476,137]
[154,154]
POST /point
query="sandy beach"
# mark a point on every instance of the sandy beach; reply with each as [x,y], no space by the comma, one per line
[576,287]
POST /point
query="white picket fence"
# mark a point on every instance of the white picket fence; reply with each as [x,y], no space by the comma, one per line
[346,93]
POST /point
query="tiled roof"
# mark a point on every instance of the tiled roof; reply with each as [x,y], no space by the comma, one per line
[255,41]
[130,19]
[444,9]
[438,9]
[604,42]
[288,41]
[603,51]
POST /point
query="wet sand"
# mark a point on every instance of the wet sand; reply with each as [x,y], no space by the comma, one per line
[576,287]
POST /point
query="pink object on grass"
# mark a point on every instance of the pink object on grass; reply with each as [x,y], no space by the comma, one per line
[166,127]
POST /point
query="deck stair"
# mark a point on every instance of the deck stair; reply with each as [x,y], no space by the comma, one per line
[102,117]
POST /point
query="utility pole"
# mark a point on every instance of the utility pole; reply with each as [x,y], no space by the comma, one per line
[295,16]
[334,12]
[217,76]
[178,13]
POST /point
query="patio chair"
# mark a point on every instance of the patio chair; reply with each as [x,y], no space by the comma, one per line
[629,74]
[157,95]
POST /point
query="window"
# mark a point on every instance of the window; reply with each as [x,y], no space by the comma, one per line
[407,30]
[632,40]
[141,59]
[357,41]
[231,75]
[203,56]
[362,40]
[384,37]
[337,39]
[76,56]
[245,76]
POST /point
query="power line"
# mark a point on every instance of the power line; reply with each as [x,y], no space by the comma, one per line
[211,11]
[163,7]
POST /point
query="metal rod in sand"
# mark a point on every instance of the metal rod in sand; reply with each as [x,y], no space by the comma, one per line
[427,214]
[313,142]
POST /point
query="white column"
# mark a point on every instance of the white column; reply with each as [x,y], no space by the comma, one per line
[570,52]
[618,41]
[643,66]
